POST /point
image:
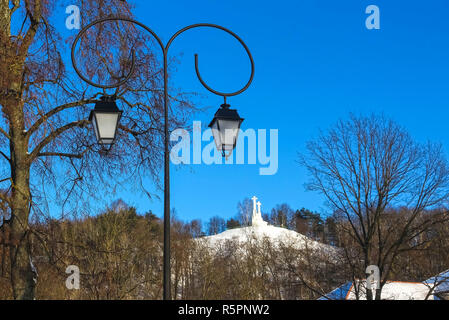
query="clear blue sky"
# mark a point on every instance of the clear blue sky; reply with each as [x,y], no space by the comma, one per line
[315,63]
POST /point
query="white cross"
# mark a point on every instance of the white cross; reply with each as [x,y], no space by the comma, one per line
[258,208]
[254,204]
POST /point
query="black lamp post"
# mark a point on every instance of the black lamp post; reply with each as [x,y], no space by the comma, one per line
[105,121]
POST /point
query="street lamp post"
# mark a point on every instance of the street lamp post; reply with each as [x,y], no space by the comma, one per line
[105,118]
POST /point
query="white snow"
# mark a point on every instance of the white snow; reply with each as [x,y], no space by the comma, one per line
[274,234]
[260,230]
[395,290]
[242,234]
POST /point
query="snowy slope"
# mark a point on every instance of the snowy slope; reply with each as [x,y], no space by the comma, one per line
[272,233]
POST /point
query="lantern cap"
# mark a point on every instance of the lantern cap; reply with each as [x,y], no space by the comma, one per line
[106,104]
[225,113]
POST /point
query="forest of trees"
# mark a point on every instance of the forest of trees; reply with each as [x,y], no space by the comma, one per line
[119,255]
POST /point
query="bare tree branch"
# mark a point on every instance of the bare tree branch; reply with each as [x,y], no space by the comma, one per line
[54,134]
[54,111]
[5,133]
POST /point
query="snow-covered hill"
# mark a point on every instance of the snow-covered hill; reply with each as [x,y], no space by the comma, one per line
[260,230]
[274,234]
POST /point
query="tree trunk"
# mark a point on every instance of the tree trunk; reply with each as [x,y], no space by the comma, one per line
[378,293]
[368,293]
[22,275]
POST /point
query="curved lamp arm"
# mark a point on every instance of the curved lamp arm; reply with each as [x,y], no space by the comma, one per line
[83,31]
[223,94]
[164,51]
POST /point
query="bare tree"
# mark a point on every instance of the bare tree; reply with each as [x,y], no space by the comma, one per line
[244,211]
[44,111]
[283,215]
[216,225]
[363,167]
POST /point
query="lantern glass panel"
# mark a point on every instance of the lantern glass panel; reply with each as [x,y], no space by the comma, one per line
[228,133]
[216,134]
[105,125]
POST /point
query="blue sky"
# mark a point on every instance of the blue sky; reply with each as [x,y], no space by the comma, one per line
[315,63]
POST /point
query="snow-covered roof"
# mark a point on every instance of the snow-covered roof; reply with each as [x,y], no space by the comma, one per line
[339,293]
[395,290]
[392,290]
[440,282]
